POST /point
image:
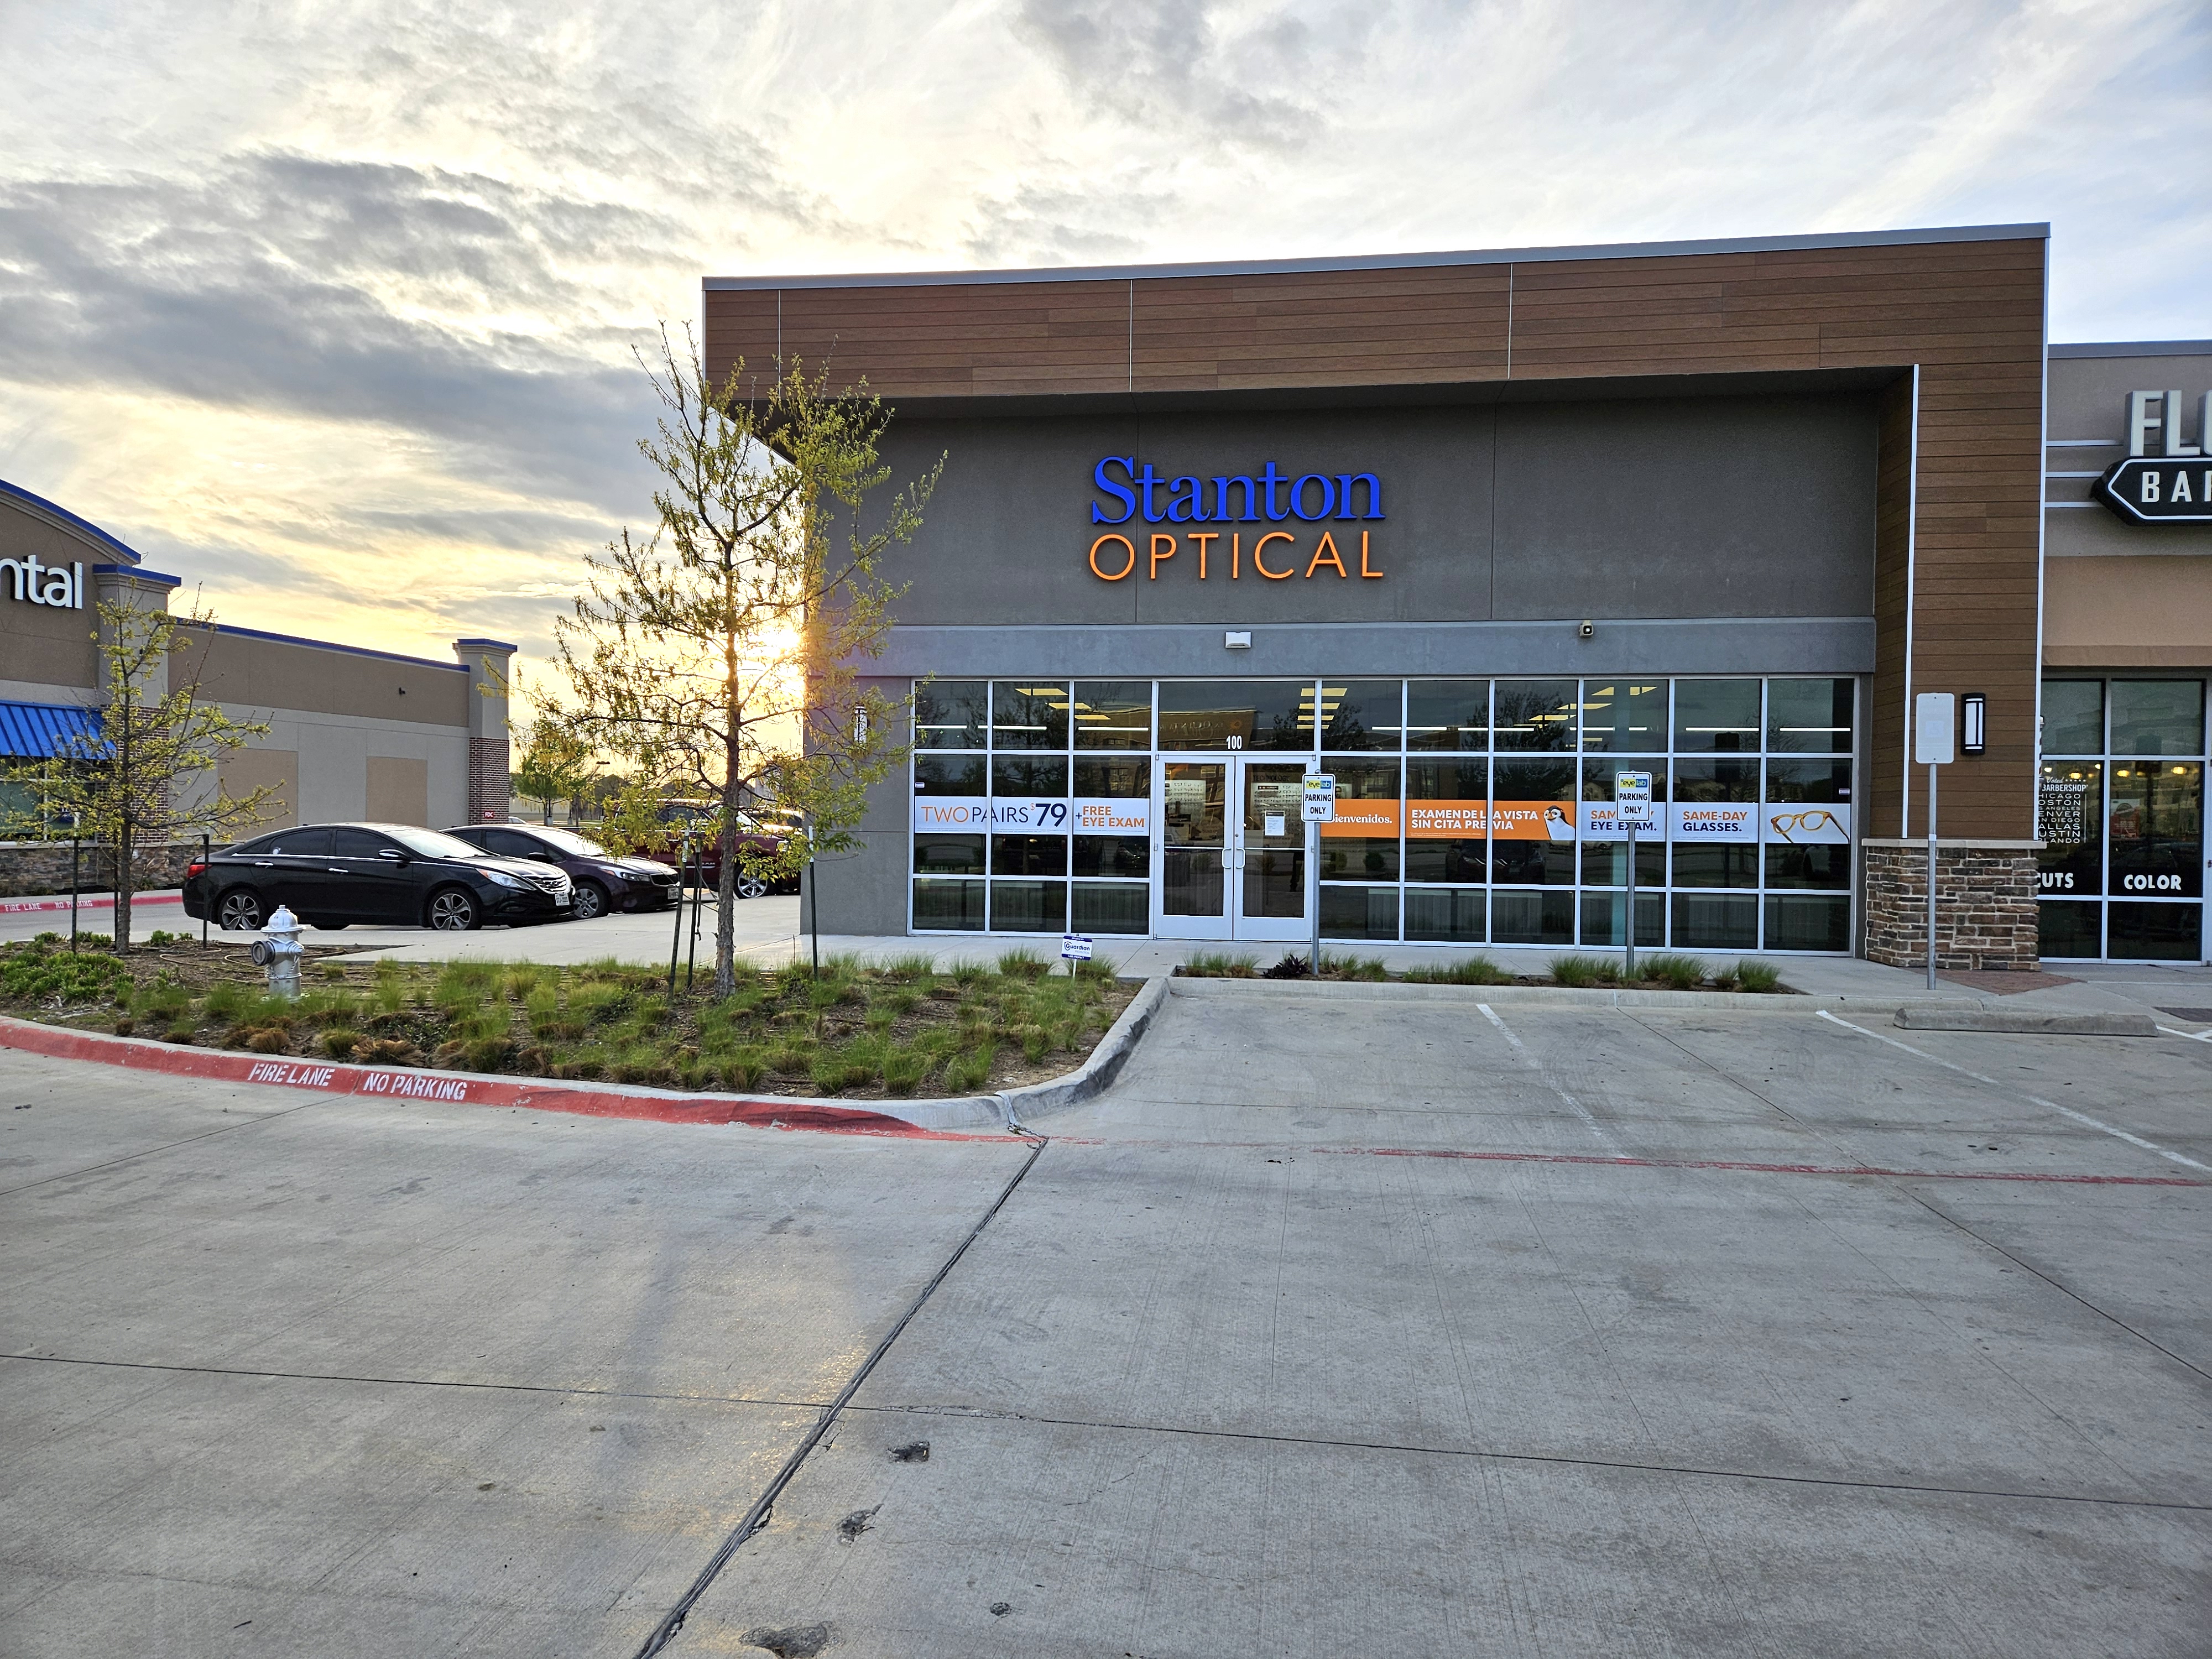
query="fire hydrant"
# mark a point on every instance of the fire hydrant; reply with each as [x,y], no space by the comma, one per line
[280,953]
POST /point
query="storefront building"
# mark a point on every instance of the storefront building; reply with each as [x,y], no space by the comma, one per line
[353,733]
[1472,533]
[2127,654]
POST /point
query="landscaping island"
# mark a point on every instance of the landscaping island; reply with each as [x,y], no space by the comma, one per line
[891,1031]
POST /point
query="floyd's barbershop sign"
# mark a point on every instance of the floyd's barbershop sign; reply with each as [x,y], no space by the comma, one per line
[1324,518]
[42,584]
[2172,485]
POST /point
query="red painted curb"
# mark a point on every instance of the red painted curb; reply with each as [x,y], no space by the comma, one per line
[86,901]
[406,1083]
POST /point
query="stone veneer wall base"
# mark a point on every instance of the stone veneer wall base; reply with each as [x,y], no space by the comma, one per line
[1984,906]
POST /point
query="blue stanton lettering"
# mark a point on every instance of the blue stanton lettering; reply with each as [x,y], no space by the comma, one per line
[1237,498]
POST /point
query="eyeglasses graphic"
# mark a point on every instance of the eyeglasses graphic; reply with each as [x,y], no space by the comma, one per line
[1816,821]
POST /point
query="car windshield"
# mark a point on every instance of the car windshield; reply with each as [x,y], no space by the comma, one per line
[430,843]
[570,842]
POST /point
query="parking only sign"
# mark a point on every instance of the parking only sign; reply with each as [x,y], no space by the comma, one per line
[1631,797]
[1318,798]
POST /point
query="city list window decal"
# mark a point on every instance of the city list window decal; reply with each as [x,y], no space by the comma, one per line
[2172,487]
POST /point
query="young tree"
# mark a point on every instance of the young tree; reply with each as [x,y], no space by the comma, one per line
[153,774]
[556,763]
[718,656]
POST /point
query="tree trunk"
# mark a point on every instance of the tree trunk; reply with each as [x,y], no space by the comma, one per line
[725,877]
[123,889]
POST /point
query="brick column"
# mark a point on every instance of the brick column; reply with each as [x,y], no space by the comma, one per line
[490,663]
[1984,904]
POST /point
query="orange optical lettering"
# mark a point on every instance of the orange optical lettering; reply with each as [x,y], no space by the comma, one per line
[1202,536]
[1235,553]
[1153,574]
[1126,547]
[1260,564]
[1372,575]
[1326,554]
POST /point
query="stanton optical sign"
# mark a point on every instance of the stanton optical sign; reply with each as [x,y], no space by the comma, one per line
[1334,504]
[2172,486]
[42,584]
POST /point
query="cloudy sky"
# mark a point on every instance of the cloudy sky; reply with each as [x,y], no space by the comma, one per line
[329,307]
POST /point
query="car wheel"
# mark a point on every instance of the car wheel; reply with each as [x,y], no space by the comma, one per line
[751,886]
[240,910]
[453,910]
[591,899]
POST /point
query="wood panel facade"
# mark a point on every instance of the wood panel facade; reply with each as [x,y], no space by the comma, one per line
[1958,535]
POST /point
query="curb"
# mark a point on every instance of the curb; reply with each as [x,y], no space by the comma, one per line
[20,906]
[471,1089]
[1526,996]
[1104,1065]
[1973,1017]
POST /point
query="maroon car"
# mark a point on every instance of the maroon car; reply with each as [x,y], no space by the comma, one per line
[764,833]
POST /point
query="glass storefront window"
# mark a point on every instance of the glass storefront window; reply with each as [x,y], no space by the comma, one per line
[2156,826]
[1127,856]
[2070,821]
[1111,906]
[1362,845]
[1236,714]
[2069,928]
[1624,716]
[949,715]
[1453,844]
[1363,715]
[2073,717]
[947,855]
[1113,715]
[1809,717]
[1447,818]
[1448,714]
[949,775]
[1029,907]
[1043,777]
[2156,932]
[2158,717]
[948,907]
[1532,820]
[1535,714]
[1719,715]
[1032,715]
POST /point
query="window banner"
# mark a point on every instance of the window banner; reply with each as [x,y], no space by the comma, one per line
[1533,820]
[1798,824]
[1601,821]
[1722,821]
[1377,817]
[1446,820]
[942,813]
[1112,818]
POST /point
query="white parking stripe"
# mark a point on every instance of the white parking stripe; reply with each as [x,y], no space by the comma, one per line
[2194,1036]
[2007,1088]
[1604,1138]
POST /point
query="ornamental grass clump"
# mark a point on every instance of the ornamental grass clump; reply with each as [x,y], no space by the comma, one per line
[1677,972]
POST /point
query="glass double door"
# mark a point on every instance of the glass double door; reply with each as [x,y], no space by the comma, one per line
[1232,858]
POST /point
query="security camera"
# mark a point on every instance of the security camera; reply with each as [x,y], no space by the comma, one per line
[1586,629]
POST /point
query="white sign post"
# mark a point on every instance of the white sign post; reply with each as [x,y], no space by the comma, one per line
[1317,806]
[1935,724]
[1631,801]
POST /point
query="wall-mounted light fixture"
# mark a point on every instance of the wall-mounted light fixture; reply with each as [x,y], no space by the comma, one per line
[1237,640]
[1586,630]
[1973,722]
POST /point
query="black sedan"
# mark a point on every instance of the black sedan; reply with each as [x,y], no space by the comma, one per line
[605,881]
[331,874]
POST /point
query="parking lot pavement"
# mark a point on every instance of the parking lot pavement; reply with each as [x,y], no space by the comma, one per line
[1368,1325]
[1416,1333]
[292,1374]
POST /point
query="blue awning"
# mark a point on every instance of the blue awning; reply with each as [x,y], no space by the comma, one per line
[39,731]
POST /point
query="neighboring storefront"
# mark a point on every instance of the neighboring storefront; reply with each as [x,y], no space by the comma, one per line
[353,733]
[2127,654]
[1471,532]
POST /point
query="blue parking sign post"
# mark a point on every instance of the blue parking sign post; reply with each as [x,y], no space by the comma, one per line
[1631,804]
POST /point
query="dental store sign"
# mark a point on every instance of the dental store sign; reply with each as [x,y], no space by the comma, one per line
[1325,517]
[42,584]
[2173,486]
